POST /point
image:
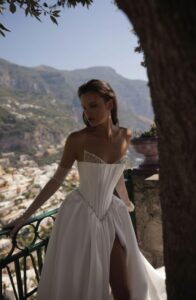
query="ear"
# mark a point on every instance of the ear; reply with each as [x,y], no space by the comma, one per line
[110,104]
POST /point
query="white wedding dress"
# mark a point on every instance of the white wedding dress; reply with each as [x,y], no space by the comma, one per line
[77,261]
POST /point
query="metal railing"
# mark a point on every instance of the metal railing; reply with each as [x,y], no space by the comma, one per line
[24,252]
[22,257]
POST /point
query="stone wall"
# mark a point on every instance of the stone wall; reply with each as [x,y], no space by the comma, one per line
[148,217]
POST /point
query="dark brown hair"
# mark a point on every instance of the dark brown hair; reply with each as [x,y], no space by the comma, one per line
[102,88]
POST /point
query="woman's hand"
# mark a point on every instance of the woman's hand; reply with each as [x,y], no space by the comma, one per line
[123,194]
[130,206]
[16,224]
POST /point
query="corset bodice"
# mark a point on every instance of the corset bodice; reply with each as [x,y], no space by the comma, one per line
[98,180]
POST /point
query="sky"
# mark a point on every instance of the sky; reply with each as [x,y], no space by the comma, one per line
[100,35]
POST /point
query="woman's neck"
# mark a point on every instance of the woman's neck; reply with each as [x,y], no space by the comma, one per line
[105,130]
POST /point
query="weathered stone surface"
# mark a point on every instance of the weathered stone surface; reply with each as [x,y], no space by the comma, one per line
[148,218]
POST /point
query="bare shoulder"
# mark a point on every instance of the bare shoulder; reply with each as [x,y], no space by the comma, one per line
[71,148]
[75,136]
[127,132]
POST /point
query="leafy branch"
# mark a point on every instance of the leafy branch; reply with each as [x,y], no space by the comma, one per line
[139,50]
[38,8]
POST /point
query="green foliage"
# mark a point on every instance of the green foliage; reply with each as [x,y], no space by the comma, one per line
[5,116]
[139,49]
[12,126]
[152,132]
[2,29]
[37,9]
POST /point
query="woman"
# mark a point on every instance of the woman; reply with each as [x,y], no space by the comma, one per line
[92,247]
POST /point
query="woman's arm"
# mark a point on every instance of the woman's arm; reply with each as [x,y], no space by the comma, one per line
[51,186]
[55,182]
[121,187]
[47,191]
[123,194]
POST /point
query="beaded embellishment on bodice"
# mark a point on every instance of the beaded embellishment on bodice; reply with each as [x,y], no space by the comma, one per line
[91,157]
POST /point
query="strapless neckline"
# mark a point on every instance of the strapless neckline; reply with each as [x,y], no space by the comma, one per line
[101,161]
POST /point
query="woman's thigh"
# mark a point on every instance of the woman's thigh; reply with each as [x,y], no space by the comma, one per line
[118,272]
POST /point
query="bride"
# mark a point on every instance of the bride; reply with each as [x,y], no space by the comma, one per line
[93,253]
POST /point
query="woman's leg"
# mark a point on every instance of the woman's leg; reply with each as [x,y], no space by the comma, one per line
[118,273]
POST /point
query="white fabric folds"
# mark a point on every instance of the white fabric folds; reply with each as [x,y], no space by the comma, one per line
[77,261]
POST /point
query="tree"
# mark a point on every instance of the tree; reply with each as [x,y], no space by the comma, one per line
[167,34]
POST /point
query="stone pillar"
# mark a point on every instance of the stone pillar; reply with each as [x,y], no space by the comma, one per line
[148,217]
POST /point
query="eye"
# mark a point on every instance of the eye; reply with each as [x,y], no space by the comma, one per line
[91,105]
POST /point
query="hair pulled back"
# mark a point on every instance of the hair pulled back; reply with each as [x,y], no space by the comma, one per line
[102,88]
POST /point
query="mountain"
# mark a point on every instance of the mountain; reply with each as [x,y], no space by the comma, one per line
[39,106]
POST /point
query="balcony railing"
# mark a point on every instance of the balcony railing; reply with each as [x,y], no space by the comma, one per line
[22,257]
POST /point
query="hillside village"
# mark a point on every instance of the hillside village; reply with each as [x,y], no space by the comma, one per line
[20,185]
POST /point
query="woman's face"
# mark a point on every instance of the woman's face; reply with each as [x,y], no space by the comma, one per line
[96,110]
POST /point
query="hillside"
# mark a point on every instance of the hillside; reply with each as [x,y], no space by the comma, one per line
[39,106]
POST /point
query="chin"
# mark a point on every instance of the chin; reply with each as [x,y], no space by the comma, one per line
[93,124]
